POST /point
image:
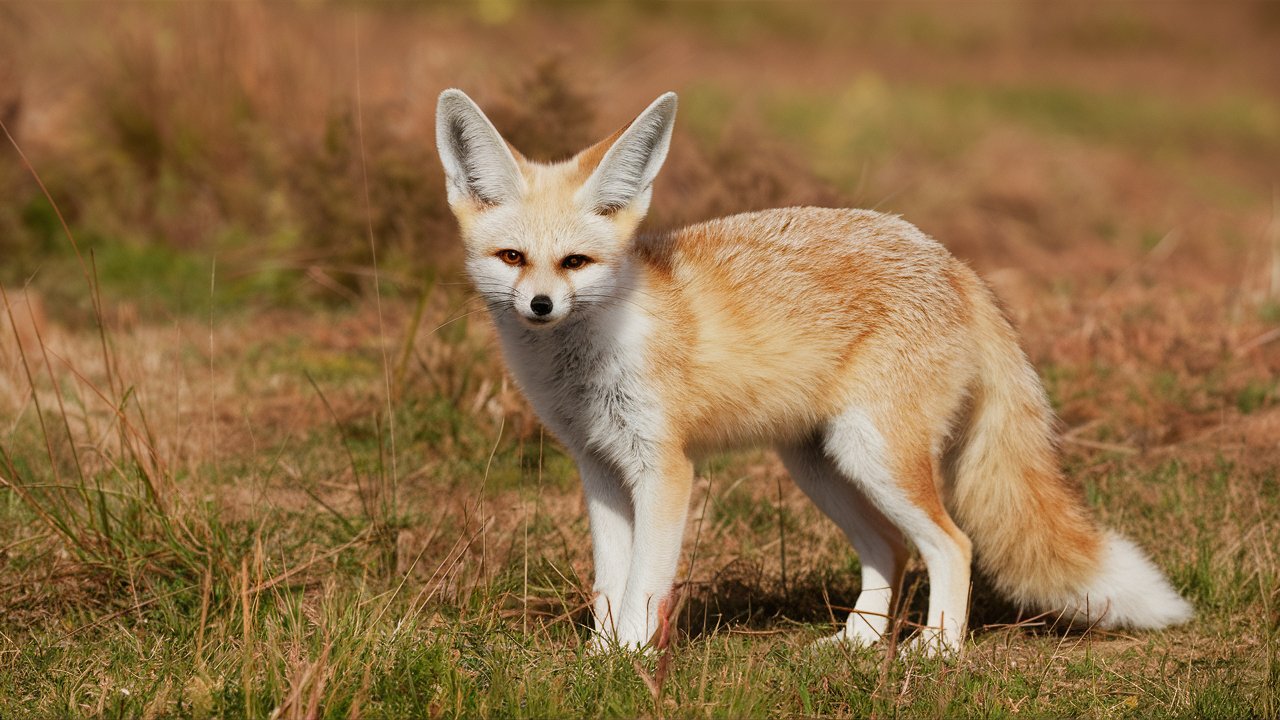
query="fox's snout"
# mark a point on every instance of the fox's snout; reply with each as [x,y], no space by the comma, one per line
[540,310]
[541,305]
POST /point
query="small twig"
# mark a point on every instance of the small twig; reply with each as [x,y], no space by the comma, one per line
[649,682]
[1273,233]
[1257,342]
[389,484]
[22,541]
[746,631]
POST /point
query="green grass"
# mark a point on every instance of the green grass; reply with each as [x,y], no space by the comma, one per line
[467,663]
[1255,395]
[871,120]
[140,598]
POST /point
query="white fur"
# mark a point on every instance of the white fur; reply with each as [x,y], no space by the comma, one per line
[612,518]
[662,508]
[1128,591]
[858,450]
[880,547]
[585,378]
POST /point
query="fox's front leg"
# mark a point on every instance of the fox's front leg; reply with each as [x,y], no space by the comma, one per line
[661,500]
[610,512]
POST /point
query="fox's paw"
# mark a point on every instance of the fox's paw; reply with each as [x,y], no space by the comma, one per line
[932,643]
[597,645]
[862,629]
[860,638]
[601,644]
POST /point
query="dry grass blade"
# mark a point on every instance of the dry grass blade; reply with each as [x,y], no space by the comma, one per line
[286,576]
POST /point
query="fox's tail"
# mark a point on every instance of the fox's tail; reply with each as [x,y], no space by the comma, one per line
[1032,533]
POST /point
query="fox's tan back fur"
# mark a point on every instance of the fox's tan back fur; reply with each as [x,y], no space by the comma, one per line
[883,307]
[849,296]
[879,365]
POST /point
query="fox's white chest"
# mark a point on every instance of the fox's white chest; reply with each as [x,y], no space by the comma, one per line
[587,380]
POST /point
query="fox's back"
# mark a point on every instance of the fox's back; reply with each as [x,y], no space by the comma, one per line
[776,317]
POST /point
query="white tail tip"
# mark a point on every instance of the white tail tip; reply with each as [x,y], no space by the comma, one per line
[1129,591]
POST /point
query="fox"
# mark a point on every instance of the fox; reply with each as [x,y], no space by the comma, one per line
[880,367]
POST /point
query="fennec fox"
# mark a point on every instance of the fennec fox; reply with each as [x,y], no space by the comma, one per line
[877,364]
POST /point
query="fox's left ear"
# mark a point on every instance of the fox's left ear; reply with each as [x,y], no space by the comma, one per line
[624,178]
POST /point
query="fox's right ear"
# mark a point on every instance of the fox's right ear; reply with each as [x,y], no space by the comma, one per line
[478,166]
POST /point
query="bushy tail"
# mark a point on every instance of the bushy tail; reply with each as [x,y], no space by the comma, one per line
[1032,533]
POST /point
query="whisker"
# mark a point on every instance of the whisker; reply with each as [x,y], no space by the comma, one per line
[596,298]
[634,289]
[450,321]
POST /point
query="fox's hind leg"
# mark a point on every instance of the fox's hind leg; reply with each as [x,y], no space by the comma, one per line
[900,479]
[881,549]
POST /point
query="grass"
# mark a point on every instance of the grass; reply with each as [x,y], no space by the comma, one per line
[240,478]
[270,571]
[871,121]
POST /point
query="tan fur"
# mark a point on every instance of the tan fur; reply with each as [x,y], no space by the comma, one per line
[1037,540]
[586,162]
[756,360]
[858,303]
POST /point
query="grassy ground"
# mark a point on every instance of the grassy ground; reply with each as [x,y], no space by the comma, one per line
[247,471]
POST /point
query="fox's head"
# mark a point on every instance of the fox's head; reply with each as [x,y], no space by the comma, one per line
[546,241]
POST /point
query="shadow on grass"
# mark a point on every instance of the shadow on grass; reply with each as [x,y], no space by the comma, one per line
[744,596]
[748,598]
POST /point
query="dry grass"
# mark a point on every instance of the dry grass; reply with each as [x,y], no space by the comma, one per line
[239,477]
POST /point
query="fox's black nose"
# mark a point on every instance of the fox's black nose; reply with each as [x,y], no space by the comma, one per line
[541,305]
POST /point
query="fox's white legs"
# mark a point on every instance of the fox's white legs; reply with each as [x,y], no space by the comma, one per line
[611,514]
[661,501]
[899,481]
[880,546]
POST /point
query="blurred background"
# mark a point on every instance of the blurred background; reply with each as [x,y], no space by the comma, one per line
[1089,159]
[1054,139]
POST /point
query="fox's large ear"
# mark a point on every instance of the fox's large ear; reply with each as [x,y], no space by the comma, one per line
[624,177]
[478,165]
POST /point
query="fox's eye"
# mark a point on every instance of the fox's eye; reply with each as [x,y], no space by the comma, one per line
[511,257]
[573,262]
